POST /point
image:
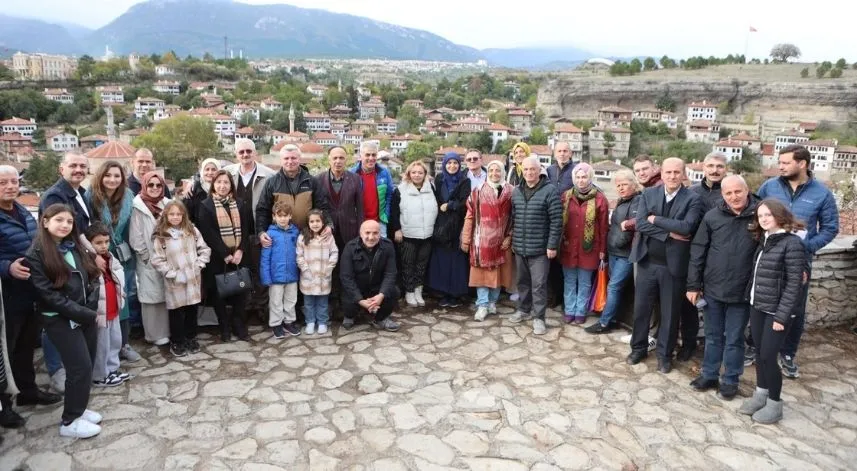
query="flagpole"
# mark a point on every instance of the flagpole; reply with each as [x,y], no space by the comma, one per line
[747,44]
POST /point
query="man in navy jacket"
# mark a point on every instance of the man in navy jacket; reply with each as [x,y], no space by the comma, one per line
[811,202]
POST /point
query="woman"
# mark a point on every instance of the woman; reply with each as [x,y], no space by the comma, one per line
[147,208]
[584,242]
[619,238]
[413,212]
[200,188]
[448,266]
[487,236]
[65,278]
[520,151]
[225,224]
[111,200]
[774,294]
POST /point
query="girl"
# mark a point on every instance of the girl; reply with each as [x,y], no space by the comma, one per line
[66,281]
[317,256]
[180,255]
[774,293]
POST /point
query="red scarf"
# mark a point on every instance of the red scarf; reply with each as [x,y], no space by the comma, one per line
[152,203]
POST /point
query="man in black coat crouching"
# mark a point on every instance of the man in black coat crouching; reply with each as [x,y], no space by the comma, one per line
[367,271]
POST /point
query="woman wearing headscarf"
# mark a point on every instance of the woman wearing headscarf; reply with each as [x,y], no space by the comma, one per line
[584,242]
[520,151]
[449,267]
[201,188]
[487,237]
[147,207]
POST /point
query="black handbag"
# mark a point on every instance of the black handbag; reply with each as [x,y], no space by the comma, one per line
[233,283]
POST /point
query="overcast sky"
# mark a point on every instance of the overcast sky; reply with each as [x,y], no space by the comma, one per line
[821,29]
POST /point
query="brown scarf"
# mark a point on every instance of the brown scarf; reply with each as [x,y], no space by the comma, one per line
[587,198]
[229,220]
[152,203]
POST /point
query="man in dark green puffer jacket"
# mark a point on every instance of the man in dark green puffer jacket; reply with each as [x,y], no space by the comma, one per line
[536,232]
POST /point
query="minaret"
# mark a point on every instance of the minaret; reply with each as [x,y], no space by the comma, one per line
[111,127]
[291,118]
[340,85]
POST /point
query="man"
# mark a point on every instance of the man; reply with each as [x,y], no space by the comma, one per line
[294,184]
[812,203]
[714,168]
[67,190]
[667,217]
[377,186]
[537,228]
[249,177]
[721,264]
[22,324]
[368,276]
[142,163]
[344,191]
[560,172]
[475,172]
[646,171]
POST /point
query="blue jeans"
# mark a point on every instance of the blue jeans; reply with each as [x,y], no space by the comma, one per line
[724,339]
[486,296]
[578,285]
[620,271]
[315,309]
[52,356]
[797,324]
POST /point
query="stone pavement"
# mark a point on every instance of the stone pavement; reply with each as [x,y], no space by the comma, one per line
[445,393]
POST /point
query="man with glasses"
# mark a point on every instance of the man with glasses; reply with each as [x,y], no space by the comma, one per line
[377,186]
[142,163]
[475,171]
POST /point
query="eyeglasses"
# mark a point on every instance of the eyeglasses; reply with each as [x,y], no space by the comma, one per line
[472,159]
[370,155]
[154,185]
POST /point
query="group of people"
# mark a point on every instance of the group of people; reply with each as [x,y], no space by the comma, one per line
[125,255]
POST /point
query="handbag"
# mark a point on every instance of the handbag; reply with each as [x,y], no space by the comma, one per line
[232,283]
[123,252]
[598,296]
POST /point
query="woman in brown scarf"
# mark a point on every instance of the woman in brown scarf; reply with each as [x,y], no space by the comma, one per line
[146,209]
[224,223]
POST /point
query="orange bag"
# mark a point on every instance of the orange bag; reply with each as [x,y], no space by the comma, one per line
[599,300]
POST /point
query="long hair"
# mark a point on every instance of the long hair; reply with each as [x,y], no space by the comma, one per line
[55,266]
[162,227]
[306,231]
[217,175]
[785,219]
[99,193]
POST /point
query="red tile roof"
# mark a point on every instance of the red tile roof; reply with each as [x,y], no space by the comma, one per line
[388,120]
[275,132]
[700,123]
[444,150]
[729,143]
[808,125]
[567,127]
[297,134]
[311,148]
[821,143]
[323,135]
[15,137]
[29,200]
[112,150]
[702,104]
[743,136]
[767,149]
[846,150]
[99,137]
[498,127]
[246,130]
[614,109]
[13,121]
[541,150]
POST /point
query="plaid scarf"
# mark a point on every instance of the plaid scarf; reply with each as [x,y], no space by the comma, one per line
[229,221]
[589,215]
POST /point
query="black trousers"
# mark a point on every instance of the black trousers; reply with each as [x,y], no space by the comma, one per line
[654,282]
[556,284]
[258,299]
[182,324]
[768,344]
[688,324]
[23,328]
[415,258]
[76,347]
[352,309]
[234,320]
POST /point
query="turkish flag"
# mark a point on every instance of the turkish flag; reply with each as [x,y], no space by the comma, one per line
[753,30]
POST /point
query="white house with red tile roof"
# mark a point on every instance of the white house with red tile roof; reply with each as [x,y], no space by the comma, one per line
[24,127]
[733,150]
[15,143]
[702,130]
[325,139]
[845,159]
[822,152]
[387,126]
[695,171]
[499,133]
[399,144]
[238,111]
[247,133]
[169,87]
[353,137]
[316,90]
[111,94]
[62,141]
[702,110]
[316,122]
[786,138]
[752,142]
[807,127]
[418,104]
[768,155]
[296,136]
[270,104]
[59,94]
[275,136]
[143,105]
[224,126]
[372,108]
[567,132]
[340,111]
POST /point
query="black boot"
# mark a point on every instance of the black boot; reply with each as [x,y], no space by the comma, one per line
[8,417]
[239,328]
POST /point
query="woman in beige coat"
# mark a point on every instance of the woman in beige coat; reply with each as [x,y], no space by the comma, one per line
[150,291]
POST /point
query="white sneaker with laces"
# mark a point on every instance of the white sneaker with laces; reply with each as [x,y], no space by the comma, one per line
[418,296]
[492,309]
[519,316]
[58,381]
[91,417]
[310,328]
[481,312]
[539,327]
[322,329]
[80,428]
[162,342]
[410,299]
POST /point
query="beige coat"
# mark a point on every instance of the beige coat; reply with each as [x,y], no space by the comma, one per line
[316,262]
[150,283]
[180,260]
[11,389]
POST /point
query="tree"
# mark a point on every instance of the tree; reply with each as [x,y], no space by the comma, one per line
[820,72]
[841,64]
[636,66]
[85,66]
[667,63]
[332,97]
[409,119]
[500,117]
[180,143]
[609,142]
[665,102]
[836,73]
[418,150]
[784,51]
[67,113]
[649,64]
[538,137]
[42,172]
[6,73]
[749,163]
[804,73]
[504,146]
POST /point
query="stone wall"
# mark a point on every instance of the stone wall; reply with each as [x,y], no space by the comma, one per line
[833,288]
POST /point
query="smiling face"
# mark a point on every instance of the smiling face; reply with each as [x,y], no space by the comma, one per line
[74,168]
[766,219]
[143,162]
[112,179]
[315,223]
[495,174]
[452,166]
[644,171]
[531,170]
[245,154]
[715,170]
[417,175]
[368,159]
[519,154]
[208,172]
[59,226]
[222,185]
[154,188]
[175,216]
[473,160]
[10,186]
[735,193]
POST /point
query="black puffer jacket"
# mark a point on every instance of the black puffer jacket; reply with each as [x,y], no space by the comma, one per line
[711,196]
[778,275]
[537,221]
[76,300]
[721,255]
[619,241]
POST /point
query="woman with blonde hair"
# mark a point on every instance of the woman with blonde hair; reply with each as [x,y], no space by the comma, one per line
[413,211]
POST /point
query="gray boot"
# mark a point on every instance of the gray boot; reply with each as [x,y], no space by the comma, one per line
[755,403]
[770,414]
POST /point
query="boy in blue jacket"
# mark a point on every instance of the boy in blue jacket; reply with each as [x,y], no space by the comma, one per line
[279,271]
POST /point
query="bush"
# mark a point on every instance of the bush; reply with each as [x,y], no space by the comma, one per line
[836,73]
[804,73]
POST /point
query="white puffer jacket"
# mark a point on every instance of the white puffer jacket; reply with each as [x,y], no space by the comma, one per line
[418,210]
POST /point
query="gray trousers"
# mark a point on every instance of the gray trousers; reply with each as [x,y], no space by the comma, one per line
[532,274]
[107,350]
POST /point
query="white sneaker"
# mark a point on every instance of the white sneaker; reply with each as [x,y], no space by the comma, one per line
[162,342]
[653,342]
[519,316]
[418,296]
[322,329]
[513,297]
[539,327]
[310,328]
[80,428]
[410,299]
[58,381]
[481,312]
[128,354]
[91,417]
[492,309]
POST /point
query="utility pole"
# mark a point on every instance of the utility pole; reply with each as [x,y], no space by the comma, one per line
[225,47]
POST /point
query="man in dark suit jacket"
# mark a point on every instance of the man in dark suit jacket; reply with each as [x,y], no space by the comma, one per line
[667,218]
[74,168]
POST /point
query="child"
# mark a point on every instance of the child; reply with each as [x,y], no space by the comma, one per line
[180,254]
[317,256]
[278,268]
[111,301]
[65,278]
